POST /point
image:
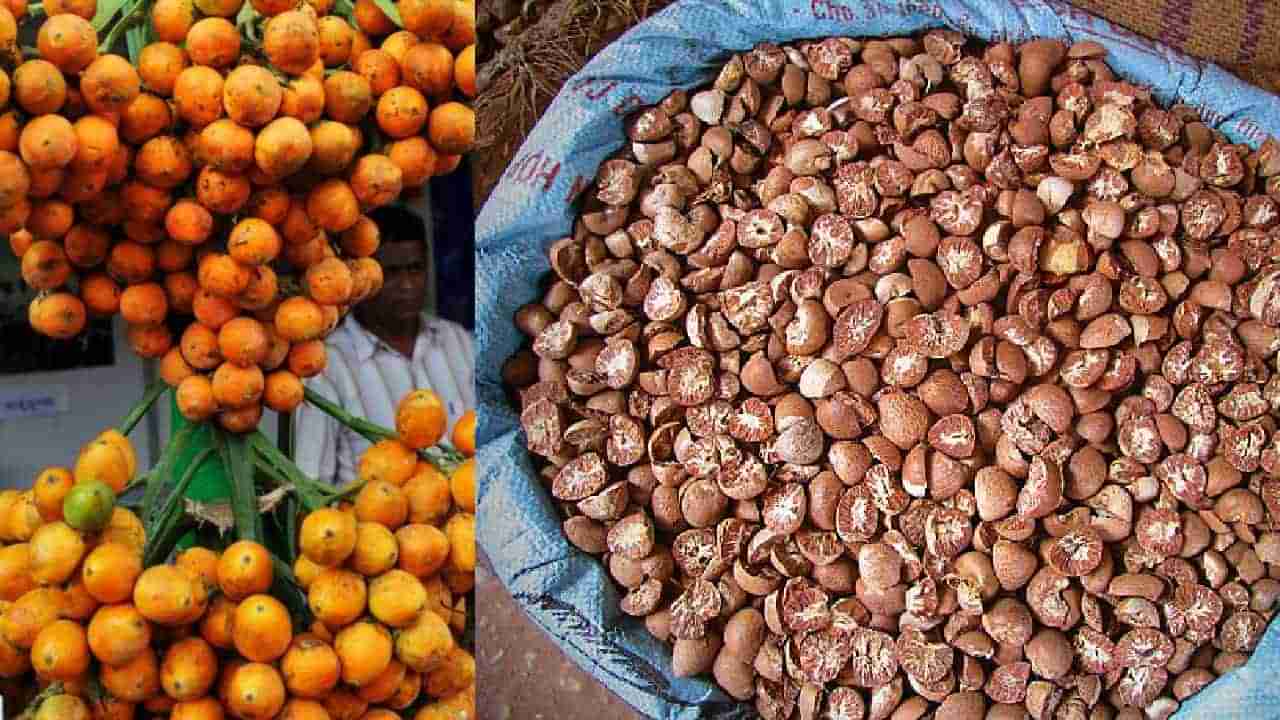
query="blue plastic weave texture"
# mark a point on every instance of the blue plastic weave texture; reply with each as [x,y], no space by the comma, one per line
[566,592]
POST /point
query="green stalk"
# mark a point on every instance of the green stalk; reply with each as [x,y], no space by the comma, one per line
[159,476]
[140,410]
[169,525]
[135,14]
[370,431]
[313,494]
[234,450]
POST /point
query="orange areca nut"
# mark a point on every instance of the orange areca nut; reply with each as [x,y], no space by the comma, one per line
[365,649]
[221,192]
[427,18]
[164,162]
[97,142]
[48,141]
[261,628]
[348,97]
[39,87]
[303,99]
[236,386]
[371,20]
[262,291]
[172,19]
[213,41]
[68,41]
[335,145]
[60,651]
[110,571]
[254,241]
[336,39]
[464,71]
[251,95]
[212,310]
[388,460]
[242,419]
[328,536]
[200,347]
[131,263]
[402,111]
[202,563]
[361,239]
[255,692]
[60,315]
[216,625]
[173,257]
[376,181]
[86,245]
[159,65]
[227,145]
[189,669]
[244,570]
[197,94]
[49,489]
[195,398]
[464,434]
[423,549]
[428,66]
[283,391]
[379,68]
[166,595]
[144,304]
[452,128]
[174,368]
[329,282]
[307,358]
[291,41]
[382,502]
[181,288]
[337,597]
[136,680]
[243,341]
[45,265]
[311,668]
[416,159]
[109,84]
[282,147]
[223,275]
[150,341]
[430,497]
[421,419]
[462,485]
[299,319]
[270,204]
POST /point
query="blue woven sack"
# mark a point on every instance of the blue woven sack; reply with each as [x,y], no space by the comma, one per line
[566,592]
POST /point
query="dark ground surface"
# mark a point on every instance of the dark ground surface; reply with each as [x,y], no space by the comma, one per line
[522,674]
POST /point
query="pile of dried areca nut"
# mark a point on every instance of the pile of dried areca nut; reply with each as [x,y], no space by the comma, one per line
[923,377]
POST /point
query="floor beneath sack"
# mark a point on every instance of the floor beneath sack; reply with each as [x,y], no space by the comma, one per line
[522,674]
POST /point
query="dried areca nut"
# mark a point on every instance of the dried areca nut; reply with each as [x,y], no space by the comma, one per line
[632,537]
[953,435]
[1239,505]
[1078,552]
[821,379]
[1142,585]
[904,419]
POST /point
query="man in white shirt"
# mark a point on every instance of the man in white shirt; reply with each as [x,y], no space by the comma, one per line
[386,347]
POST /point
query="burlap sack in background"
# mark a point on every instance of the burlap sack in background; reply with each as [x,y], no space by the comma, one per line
[530,47]
[1241,35]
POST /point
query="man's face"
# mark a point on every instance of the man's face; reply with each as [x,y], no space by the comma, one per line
[404,287]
